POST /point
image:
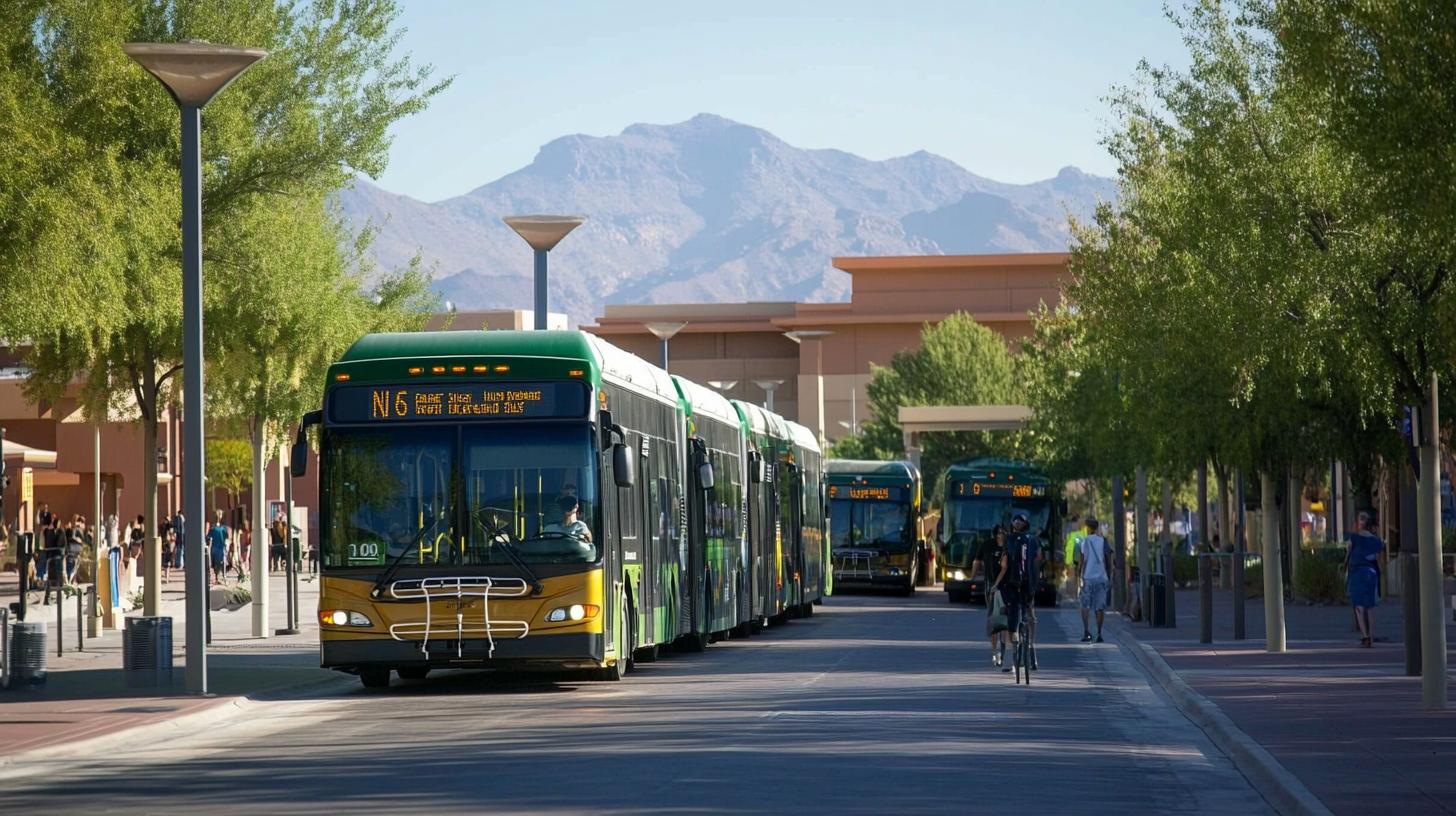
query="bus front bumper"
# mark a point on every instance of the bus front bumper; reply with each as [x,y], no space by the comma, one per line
[578,650]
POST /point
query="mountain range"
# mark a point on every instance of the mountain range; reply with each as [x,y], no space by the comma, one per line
[710,210]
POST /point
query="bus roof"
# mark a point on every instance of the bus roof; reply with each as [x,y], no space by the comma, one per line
[801,436]
[988,465]
[568,345]
[899,469]
[599,358]
[705,402]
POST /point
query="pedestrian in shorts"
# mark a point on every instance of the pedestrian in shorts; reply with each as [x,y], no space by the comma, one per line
[1092,558]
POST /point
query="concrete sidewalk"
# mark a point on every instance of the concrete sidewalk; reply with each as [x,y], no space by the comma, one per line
[85,695]
[1344,720]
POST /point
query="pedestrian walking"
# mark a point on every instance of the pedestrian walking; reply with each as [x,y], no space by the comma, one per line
[135,541]
[277,549]
[245,548]
[988,558]
[169,549]
[1362,576]
[217,545]
[179,529]
[1092,558]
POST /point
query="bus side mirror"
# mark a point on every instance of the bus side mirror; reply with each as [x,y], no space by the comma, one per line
[606,420]
[705,475]
[622,465]
[755,467]
[1062,508]
[298,458]
[940,531]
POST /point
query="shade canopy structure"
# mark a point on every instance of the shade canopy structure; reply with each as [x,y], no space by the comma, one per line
[19,454]
[918,419]
[544,232]
[193,72]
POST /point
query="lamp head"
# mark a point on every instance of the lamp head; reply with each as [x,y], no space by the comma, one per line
[193,72]
[664,331]
[543,232]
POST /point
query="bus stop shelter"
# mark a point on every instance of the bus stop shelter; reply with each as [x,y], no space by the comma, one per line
[916,420]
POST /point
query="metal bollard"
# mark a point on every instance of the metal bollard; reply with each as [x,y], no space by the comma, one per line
[60,624]
[80,622]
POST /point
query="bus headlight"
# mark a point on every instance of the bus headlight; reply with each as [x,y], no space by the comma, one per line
[343,617]
[575,612]
[960,575]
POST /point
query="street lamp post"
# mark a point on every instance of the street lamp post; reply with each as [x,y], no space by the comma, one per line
[664,332]
[818,336]
[193,72]
[768,386]
[723,386]
[543,233]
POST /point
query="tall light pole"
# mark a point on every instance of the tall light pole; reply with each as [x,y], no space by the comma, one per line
[768,386]
[543,233]
[193,72]
[664,332]
[817,335]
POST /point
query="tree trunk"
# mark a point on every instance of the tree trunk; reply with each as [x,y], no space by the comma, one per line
[1225,526]
[152,546]
[260,532]
[1273,579]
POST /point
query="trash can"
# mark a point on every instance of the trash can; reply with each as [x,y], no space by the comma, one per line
[146,652]
[28,654]
[1158,586]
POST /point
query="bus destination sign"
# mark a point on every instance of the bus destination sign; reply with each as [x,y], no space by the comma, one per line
[867,493]
[457,402]
[996,489]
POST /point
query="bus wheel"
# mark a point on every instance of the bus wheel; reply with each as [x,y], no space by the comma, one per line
[374,677]
[647,654]
[413,672]
[693,642]
[806,610]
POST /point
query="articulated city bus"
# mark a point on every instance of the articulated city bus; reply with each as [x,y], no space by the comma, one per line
[526,500]
[874,523]
[977,495]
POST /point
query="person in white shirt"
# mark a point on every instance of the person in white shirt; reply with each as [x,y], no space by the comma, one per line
[1092,566]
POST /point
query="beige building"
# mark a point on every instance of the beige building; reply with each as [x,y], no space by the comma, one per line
[745,348]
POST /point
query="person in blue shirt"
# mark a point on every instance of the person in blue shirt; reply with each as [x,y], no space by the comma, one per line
[217,540]
[1362,577]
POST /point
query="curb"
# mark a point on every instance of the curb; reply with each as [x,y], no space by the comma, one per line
[222,709]
[1280,788]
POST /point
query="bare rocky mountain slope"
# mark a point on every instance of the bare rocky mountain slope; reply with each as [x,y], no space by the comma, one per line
[710,210]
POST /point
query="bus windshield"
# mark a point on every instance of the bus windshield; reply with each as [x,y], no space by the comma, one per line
[856,523]
[969,521]
[459,499]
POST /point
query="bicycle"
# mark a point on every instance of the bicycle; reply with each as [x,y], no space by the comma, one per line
[1023,657]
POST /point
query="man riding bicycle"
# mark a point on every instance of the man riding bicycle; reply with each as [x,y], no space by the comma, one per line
[1017,582]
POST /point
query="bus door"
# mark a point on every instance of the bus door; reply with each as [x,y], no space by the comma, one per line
[697,536]
[653,533]
[613,497]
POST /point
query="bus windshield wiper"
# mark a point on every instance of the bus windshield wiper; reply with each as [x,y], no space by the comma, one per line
[503,537]
[394,565]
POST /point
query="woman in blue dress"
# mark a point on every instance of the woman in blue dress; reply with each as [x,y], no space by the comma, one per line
[1362,579]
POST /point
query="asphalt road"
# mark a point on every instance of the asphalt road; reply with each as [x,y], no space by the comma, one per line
[876,705]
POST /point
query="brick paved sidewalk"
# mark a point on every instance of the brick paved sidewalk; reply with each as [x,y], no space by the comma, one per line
[85,695]
[1345,720]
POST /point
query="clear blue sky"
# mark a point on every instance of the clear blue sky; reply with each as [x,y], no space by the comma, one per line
[1011,90]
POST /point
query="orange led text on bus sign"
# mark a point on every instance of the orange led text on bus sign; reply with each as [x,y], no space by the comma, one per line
[391,403]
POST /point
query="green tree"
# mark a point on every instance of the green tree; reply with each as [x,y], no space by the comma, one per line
[300,123]
[228,463]
[959,362]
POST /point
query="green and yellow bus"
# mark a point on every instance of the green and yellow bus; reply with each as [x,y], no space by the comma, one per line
[525,500]
[875,523]
[974,497]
